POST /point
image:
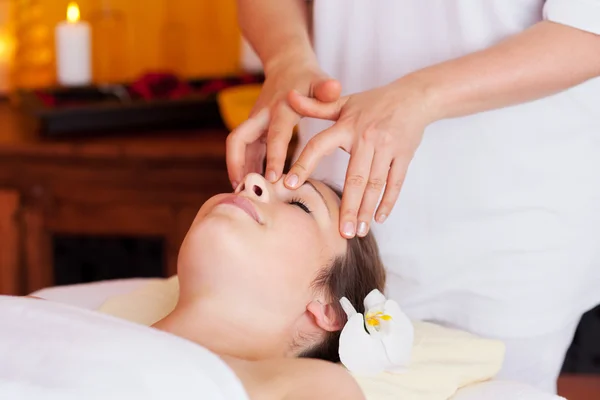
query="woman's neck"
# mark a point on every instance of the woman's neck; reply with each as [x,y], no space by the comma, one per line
[210,324]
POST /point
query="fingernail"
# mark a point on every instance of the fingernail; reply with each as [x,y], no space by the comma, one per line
[381,218]
[234,184]
[271,176]
[362,228]
[291,180]
[349,229]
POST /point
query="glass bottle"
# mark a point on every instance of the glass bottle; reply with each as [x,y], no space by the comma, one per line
[33,62]
[110,55]
[173,39]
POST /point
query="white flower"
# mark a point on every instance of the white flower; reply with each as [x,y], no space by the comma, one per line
[379,341]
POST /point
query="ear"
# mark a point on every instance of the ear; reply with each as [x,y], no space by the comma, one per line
[325,316]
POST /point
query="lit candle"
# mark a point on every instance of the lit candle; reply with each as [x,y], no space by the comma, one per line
[73,49]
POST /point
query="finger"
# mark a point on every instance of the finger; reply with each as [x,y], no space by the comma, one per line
[375,185]
[327,90]
[358,172]
[255,156]
[320,145]
[237,142]
[394,184]
[310,107]
[278,140]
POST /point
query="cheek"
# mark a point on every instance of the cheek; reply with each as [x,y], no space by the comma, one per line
[301,249]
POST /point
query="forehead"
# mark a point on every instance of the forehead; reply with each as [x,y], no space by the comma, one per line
[330,196]
[333,204]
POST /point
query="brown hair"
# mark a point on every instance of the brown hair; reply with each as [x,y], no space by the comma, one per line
[353,275]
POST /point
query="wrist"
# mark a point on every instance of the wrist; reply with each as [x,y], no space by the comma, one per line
[424,93]
[292,58]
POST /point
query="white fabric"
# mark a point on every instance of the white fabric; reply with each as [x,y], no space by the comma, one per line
[496,228]
[537,360]
[75,295]
[502,390]
[581,14]
[50,351]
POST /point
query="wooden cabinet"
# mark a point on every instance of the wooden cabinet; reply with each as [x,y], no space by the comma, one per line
[9,242]
[579,387]
[142,184]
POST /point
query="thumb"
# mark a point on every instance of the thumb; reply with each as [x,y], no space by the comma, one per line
[313,108]
[327,90]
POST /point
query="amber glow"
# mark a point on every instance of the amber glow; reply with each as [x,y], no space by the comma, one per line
[73,12]
[6,46]
[3,46]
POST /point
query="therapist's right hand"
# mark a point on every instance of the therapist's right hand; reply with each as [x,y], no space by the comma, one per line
[269,129]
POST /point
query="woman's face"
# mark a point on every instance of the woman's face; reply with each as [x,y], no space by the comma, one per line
[263,244]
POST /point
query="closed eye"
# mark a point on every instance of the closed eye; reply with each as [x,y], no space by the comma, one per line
[301,204]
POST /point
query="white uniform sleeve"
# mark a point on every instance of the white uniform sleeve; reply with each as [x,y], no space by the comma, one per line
[580,14]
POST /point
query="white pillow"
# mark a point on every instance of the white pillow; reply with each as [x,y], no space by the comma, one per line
[502,390]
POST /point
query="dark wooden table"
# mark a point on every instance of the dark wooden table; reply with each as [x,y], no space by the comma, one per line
[136,184]
[579,387]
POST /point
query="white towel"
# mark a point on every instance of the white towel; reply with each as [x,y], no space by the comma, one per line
[51,351]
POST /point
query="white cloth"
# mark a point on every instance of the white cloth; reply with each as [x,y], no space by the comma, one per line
[537,360]
[496,229]
[491,390]
[51,351]
[502,390]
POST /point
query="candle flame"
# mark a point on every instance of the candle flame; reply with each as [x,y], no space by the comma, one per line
[6,46]
[73,12]
[3,46]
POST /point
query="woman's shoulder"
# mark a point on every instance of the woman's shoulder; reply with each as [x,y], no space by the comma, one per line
[295,379]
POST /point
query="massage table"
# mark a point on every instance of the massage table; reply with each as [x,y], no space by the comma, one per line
[92,295]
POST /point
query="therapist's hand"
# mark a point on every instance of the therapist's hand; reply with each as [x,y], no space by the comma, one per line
[381,129]
[269,129]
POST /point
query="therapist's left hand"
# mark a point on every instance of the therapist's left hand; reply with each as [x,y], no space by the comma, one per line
[381,129]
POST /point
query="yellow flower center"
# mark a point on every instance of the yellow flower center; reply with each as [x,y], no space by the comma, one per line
[374,318]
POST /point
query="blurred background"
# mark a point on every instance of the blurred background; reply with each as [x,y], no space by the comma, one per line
[189,38]
[113,119]
[100,179]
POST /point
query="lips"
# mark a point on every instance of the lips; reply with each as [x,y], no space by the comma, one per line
[244,204]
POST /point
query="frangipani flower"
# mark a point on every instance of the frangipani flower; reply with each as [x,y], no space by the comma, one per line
[379,341]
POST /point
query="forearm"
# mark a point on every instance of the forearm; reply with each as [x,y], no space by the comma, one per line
[541,61]
[277,30]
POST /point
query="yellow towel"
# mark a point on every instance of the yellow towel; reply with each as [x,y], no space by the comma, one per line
[443,360]
[147,304]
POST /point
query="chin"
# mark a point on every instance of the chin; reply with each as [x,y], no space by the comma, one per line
[216,240]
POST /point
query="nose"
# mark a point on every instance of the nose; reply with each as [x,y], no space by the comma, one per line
[255,187]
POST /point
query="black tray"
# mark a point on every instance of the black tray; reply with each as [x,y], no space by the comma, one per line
[57,112]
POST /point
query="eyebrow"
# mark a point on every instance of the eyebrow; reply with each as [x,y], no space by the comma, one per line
[309,183]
